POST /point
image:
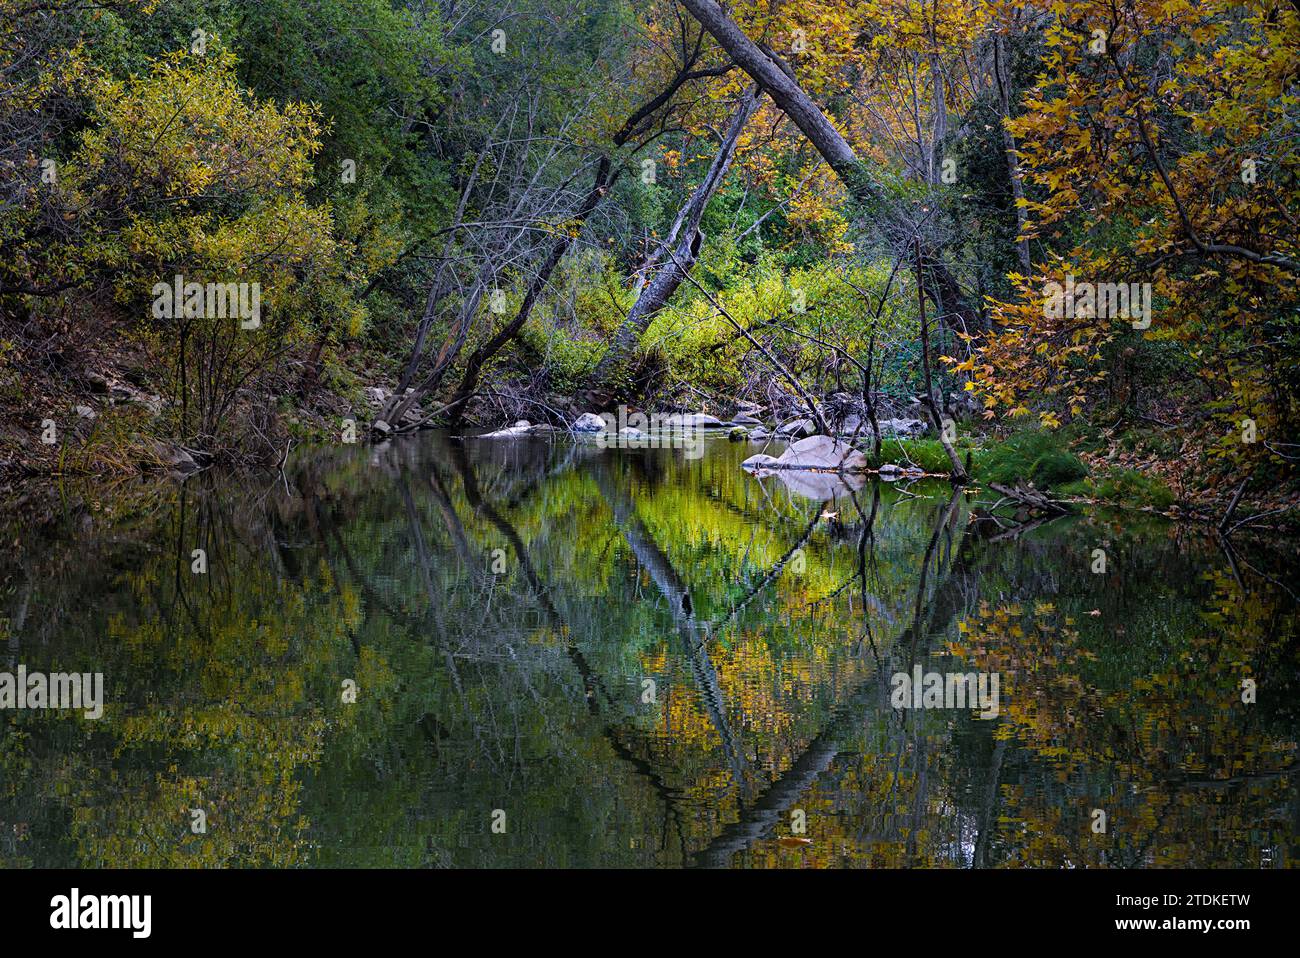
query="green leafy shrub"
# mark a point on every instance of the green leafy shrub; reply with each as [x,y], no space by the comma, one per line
[1131,488]
[566,360]
[1035,456]
[928,454]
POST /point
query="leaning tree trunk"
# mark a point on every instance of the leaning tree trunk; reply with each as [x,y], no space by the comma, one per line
[778,82]
[681,247]
[485,352]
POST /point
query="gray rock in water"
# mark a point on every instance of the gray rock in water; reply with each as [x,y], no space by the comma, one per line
[815,452]
[759,434]
[688,420]
[745,419]
[521,428]
[738,434]
[892,472]
[905,428]
[588,422]
[381,427]
[822,452]
[800,427]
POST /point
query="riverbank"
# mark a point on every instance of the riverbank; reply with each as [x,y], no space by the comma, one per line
[112,430]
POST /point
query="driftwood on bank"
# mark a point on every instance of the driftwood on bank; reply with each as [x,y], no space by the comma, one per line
[1031,498]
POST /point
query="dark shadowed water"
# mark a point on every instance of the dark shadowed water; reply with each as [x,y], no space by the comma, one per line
[567,656]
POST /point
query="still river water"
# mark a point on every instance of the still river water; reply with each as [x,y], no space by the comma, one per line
[634,658]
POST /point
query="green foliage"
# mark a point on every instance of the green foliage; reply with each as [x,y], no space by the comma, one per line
[181,173]
[703,348]
[1031,455]
[564,360]
[1126,487]
[216,141]
[928,454]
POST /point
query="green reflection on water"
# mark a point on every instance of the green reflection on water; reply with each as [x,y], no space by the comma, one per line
[642,660]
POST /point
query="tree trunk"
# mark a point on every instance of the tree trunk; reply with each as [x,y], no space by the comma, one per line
[775,79]
[958,471]
[790,97]
[682,248]
[1002,74]
[485,352]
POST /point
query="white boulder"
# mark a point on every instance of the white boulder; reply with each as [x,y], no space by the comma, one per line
[588,422]
[815,452]
[688,420]
[797,428]
[904,428]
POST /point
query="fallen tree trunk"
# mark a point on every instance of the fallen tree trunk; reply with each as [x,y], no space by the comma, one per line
[1232,506]
[1031,498]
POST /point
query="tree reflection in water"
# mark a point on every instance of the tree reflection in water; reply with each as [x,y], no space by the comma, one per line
[675,660]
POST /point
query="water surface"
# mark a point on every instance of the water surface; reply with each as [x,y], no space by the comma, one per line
[634,658]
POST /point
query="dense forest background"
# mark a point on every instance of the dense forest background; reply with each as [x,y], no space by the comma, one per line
[464,213]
